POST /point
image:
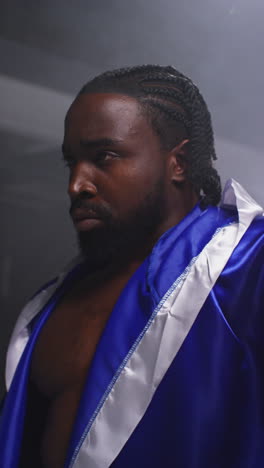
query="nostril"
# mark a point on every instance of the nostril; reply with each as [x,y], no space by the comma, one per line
[82,180]
[77,188]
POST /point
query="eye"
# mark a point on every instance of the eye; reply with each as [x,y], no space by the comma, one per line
[104,157]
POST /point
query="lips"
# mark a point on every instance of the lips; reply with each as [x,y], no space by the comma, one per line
[80,215]
[85,220]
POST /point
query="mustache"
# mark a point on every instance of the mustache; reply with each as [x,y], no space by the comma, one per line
[100,211]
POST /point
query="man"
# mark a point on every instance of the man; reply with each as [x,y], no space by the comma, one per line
[148,350]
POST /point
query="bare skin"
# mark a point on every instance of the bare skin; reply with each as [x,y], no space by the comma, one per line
[120,178]
[63,356]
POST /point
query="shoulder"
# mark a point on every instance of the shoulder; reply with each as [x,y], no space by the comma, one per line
[42,295]
[239,289]
[251,246]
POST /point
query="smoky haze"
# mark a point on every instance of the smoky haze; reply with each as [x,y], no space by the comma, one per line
[49,49]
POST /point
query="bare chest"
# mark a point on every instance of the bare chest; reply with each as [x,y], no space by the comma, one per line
[66,345]
[67,342]
[61,361]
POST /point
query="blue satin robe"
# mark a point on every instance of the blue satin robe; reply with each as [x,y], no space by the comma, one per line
[207,411]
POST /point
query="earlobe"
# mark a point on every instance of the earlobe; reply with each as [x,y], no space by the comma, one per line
[178,162]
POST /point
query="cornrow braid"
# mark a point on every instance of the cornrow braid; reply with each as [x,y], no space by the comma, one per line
[176,110]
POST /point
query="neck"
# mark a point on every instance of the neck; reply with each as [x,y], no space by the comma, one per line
[177,210]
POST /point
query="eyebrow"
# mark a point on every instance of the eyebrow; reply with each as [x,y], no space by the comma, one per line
[91,144]
[99,142]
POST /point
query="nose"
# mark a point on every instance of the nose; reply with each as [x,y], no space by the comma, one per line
[82,181]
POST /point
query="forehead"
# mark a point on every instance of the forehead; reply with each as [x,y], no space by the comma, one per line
[104,114]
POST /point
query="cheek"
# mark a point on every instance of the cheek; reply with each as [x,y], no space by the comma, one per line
[127,183]
[144,170]
[132,188]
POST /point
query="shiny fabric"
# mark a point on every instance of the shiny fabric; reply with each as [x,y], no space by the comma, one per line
[208,409]
[209,406]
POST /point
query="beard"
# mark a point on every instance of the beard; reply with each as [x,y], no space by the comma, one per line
[118,240]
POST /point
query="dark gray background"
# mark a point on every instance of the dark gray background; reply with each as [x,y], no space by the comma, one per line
[49,48]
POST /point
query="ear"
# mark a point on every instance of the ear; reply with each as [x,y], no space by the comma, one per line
[178,162]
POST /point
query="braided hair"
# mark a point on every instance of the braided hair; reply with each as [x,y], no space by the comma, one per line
[176,110]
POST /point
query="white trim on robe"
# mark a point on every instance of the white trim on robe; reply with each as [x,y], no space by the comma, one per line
[131,393]
[144,367]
